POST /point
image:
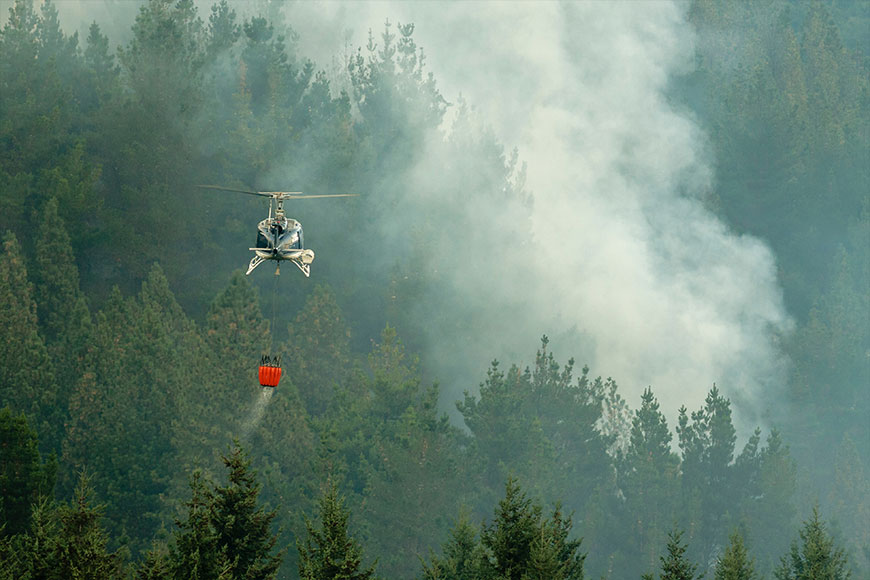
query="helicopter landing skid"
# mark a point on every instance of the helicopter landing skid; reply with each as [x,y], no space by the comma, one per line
[306,268]
[255,261]
[302,260]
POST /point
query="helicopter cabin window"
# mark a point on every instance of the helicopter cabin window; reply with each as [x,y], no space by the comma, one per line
[262,242]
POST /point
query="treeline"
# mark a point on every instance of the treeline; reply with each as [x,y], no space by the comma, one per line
[158,396]
[141,373]
[225,533]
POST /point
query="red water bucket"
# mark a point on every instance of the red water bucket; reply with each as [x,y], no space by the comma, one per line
[270,376]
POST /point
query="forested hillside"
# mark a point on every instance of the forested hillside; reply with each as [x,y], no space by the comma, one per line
[135,440]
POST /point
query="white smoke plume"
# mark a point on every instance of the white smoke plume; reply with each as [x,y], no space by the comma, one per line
[653,288]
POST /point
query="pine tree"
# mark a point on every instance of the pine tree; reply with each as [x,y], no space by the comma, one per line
[68,541]
[463,554]
[63,311]
[508,539]
[242,527]
[226,534]
[675,565]
[37,551]
[235,336]
[647,475]
[329,552]
[129,415]
[768,503]
[156,564]
[27,379]
[24,478]
[318,349]
[816,557]
[195,554]
[735,563]
[709,491]
[540,425]
[553,556]
[81,548]
[414,475]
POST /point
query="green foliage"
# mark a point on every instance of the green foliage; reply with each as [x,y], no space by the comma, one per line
[707,446]
[227,534]
[769,495]
[68,541]
[850,501]
[235,335]
[509,538]
[523,419]
[244,528]
[81,549]
[155,565]
[521,544]
[329,552]
[164,57]
[318,349]
[27,379]
[63,312]
[142,374]
[816,556]
[463,556]
[24,477]
[648,477]
[118,141]
[195,554]
[735,563]
[675,565]
[391,78]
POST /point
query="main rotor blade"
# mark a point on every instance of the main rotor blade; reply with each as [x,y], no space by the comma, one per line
[278,194]
[245,191]
[299,195]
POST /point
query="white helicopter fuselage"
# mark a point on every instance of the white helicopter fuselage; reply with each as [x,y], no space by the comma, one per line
[280,238]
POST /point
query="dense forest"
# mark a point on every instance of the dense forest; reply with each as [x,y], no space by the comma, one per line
[136,442]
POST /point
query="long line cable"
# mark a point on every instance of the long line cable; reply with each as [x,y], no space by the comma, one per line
[274,320]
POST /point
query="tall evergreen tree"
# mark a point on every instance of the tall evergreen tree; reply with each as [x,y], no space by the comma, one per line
[242,527]
[318,349]
[735,563]
[226,534]
[329,552]
[27,379]
[509,538]
[130,414]
[675,565]
[522,544]
[768,502]
[67,540]
[463,554]
[816,556]
[63,311]
[647,475]
[540,425]
[235,336]
[155,565]
[24,477]
[710,497]
[195,554]
[81,549]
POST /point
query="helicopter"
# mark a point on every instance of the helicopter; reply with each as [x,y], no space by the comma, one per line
[278,236]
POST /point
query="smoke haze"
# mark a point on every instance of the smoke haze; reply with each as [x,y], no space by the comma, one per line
[623,265]
[629,270]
